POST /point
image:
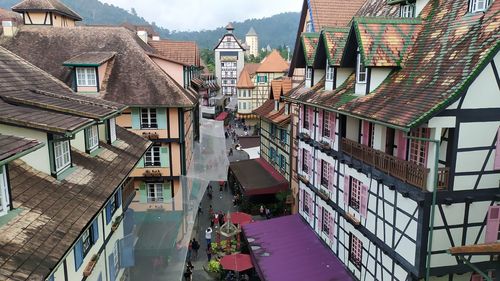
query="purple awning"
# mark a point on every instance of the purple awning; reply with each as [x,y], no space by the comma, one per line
[290,250]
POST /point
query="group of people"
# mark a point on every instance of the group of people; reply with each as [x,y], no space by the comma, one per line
[216,218]
[264,212]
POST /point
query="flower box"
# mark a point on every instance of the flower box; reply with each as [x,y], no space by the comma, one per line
[303,179]
[90,266]
[324,146]
[116,223]
[352,218]
[323,194]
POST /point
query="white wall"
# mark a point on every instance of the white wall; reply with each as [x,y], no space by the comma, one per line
[38,159]
[79,141]
[378,75]
[342,74]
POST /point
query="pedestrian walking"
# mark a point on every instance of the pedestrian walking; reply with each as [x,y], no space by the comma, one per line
[189,251]
[209,254]
[221,218]
[188,273]
[196,247]
[262,211]
[212,221]
[268,213]
[216,220]
[230,151]
[210,211]
[208,235]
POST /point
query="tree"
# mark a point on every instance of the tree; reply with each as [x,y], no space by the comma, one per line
[133,12]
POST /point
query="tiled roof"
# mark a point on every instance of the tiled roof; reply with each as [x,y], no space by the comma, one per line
[385,41]
[331,13]
[46,5]
[182,51]
[378,8]
[54,213]
[132,78]
[309,44]
[251,68]
[133,27]
[9,15]
[335,40]
[450,51]
[280,86]
[273,63]
[266,111]
[244,81]
[89,59]
[251,32]
[12,145]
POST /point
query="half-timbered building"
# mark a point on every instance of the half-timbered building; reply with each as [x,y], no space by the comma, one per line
[397,138]
[46,12]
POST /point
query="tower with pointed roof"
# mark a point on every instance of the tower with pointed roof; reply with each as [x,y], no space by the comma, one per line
[229,61]
[252,41]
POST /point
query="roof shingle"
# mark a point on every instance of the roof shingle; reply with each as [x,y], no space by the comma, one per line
[46,5]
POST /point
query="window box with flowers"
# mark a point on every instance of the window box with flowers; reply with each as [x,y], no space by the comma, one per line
[323,194]
[116,223]
[324,146]
[90,266]
[303,179]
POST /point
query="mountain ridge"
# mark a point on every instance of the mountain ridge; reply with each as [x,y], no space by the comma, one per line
[275,31]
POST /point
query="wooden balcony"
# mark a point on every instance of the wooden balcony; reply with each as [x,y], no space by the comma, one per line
[406,171]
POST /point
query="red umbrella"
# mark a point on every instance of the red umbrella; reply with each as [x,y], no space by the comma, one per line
[240,218]
[236,262]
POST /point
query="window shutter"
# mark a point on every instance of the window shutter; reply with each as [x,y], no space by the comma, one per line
[364,201]
[320,123]
[140,164]
[161,117]
[333,128]
[496,165]
[301,115]
[366,133]
[167,192]
[301,199]
[95,230]
[311,206]
[331,173]
[108,212]
[136,118]
[143,193]
[78,251]
[320,219]
[331,224]
[111,262]
[311,120]
[318,172]
[126,250]
[299,160]
[492,224]
[164,157]
[309,165]
[346,190]
[119,203]
[401,145]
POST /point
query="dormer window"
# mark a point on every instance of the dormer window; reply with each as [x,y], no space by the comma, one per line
[329,73]
[309,72]
[86,77]
[91,138]
[407,10]
[479,5]
[4,191]
[62,155]
[360,71]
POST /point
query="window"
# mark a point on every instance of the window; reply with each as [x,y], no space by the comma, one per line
[324,173]
[355,194]
[113,204]
[92,137]
[4,192]
[87,240]
[360,71]
[325,221]
[305,157]
[261,78]
[152,157]
[283,135]
[309,26]
[356,251]
[86,76]
[155,192]
[306,118]
[407,11]
[326,123]
[282,162]
[305,205]
[62,156]
[418,149]
[478,5]
[273,130]
[329,73]
[309,72]
[148,118]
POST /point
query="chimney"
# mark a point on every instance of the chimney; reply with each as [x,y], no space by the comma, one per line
[9,29]
[143,34]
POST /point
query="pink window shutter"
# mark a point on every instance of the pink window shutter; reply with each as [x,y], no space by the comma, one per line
[333,126]
[346,189]
[496,165]
[331,174]
[311,206]
[492,224]
[309,165]
[320,123]
[311,120]
[320,219]
[401,145]
[363,208]
[301,116]
[331,224]
[301,199]
[318,172]
[366,133]
[299,161]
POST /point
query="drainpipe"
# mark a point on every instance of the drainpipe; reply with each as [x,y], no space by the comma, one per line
[433,204]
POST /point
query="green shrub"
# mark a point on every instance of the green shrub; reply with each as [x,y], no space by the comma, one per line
[214,266]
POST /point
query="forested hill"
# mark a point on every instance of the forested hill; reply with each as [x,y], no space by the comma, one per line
[276,31]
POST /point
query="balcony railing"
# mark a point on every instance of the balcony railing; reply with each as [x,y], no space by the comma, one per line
[406,171]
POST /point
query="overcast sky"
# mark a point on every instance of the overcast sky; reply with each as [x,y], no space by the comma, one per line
[205,14]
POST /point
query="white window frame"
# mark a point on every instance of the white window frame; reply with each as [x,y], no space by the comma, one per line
[356,251]
[308,73]
[86,77]
[92,135]
[407,10]
[155,192]
[4,191]
[329,73]
[478,5]
[62,155]
[154,155]
[149,118]
[361,71]
[87,240]
[355,194]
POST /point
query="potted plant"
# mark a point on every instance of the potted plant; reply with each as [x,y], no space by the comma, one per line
[323,194]
[116,223]
[213,269]
[90,266]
